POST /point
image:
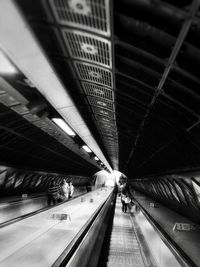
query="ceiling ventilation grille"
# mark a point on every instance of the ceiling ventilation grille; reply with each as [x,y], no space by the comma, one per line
[88,47]
[110,140]
[107,126]
[20,109]
[98,91]
[91,15]
[107,134]
[40,124]
[104,112]
[8,100]
[100,103]
[94,74]
[110,134]
[30,117]
[103,119]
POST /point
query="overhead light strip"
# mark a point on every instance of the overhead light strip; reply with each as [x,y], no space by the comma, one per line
[87,149]
[63,126]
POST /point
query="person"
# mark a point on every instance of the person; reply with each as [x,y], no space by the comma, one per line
[127,202]
[71,189]
[65,189]
[53,193]
[123,196]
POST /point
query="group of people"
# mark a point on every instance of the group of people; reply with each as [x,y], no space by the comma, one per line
[59,192]
[126,198]
[126,202]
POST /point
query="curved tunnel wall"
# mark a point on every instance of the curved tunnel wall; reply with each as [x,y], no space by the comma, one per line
[17,181]
[180,192]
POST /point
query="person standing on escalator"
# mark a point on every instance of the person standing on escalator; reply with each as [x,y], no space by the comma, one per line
[123,197]
[127,202]
[53,193]
[65,190]
[71,189]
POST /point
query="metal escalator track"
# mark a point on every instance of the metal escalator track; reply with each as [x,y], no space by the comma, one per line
[121,248]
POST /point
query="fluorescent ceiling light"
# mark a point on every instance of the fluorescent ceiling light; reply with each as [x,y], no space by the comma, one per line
[5,65]
[96,158]
[64,126]
[86,148]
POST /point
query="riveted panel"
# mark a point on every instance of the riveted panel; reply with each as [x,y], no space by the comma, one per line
[88,47]
[91,15]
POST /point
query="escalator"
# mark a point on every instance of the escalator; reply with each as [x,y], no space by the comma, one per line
[111,239]
[97,233]
[121,246]
[121,239]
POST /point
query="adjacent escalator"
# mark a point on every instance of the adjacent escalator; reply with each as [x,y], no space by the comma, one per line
[121,247]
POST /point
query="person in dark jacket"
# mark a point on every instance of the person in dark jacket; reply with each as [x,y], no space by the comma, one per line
[123,197]
[53,193]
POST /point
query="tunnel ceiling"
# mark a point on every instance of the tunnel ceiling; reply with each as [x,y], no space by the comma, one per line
[132,68]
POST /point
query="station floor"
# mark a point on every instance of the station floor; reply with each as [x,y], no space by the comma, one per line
[40,239]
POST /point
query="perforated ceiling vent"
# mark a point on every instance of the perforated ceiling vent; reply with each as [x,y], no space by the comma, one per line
[108,128]
[31,117]
[104,119]
[108,133]
[98,91]
[20,109]
[104,112]
[100,103]
[110,140]
[101,118]
[106,125]
[88,47]
[8,100]
[94,74]
[92,15]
